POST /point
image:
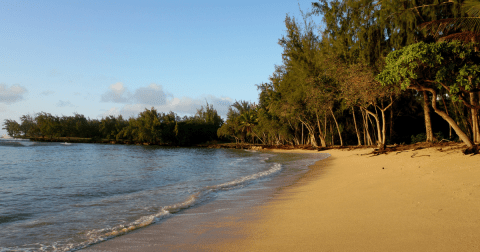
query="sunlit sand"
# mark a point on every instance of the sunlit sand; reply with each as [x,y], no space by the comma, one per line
[415,200]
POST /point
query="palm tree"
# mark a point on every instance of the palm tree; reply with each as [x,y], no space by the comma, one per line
[465,28]
[247,122]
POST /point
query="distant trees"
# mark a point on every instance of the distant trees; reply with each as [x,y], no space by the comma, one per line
[150,127]
[12,127]
[368,75]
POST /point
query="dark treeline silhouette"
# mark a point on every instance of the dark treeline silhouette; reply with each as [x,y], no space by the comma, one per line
[149,127]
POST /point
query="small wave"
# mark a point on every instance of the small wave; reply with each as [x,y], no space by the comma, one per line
[99,235]
[14,217]
[276,167]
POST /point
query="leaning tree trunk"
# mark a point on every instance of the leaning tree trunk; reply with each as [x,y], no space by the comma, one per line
[380,140]
[446,110]
[321,135]
[368,139]
[356,128]
[428,121]
[311,133]
[374,137]
[446,117]
[338,129]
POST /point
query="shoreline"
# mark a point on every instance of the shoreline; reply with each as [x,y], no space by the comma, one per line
[414,200]
[209,223]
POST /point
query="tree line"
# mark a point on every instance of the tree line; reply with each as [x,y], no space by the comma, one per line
[370,73]
[150,126]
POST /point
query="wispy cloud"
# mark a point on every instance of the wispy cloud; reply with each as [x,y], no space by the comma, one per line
[11,94]
[154,96]
[116,93]
[47,92]
[111,112]
[151,95]
[62,104]
[181,106]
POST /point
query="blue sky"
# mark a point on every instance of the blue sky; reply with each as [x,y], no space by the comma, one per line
[101,58]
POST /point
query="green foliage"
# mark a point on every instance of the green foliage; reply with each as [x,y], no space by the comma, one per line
[422,137]
[12,127]
[453,66]
[149,126]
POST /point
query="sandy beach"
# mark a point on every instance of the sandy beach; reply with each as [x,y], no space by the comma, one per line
[415,200]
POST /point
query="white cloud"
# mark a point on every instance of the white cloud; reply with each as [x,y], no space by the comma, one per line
[64,104]
[181,106]
[117,93]
[187,105]
[130,110]
[11,94]
[111,112]
[154,96]
[151,95]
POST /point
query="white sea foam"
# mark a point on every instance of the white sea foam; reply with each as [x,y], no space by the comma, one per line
[275,168]
[96,236]
[155,213]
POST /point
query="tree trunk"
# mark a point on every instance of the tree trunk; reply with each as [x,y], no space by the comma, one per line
[332,135]
[365,123]
[446,110]
[428,121]
[446,117]
[384,129]
[320,135]
[356,128]
[375,138]
[302,134]
[379,141]
[313,141]
[311,133]
[391,125]
[338,129]
[325,126]
[474,112]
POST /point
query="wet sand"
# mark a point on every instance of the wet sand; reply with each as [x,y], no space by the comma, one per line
[422,200]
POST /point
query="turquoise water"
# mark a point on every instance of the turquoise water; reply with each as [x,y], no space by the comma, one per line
[57,197]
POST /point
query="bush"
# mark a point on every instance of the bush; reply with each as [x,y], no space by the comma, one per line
[422,137]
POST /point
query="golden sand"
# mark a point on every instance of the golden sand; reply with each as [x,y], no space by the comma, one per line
[422,200]
[416,200]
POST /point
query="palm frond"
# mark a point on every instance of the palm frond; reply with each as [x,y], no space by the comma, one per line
[472,7]
[466,37]
[445,27]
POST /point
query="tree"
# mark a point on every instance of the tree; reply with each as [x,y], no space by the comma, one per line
[27,125]
[460,21]
[12,127]
[453,67]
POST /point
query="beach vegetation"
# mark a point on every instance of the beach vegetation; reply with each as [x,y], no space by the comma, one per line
[353,72]
[149,127]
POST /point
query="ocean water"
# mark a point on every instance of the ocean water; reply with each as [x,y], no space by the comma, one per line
[64,197]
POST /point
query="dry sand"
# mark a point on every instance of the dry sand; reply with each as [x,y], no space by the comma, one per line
[394,202]
[416,200]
